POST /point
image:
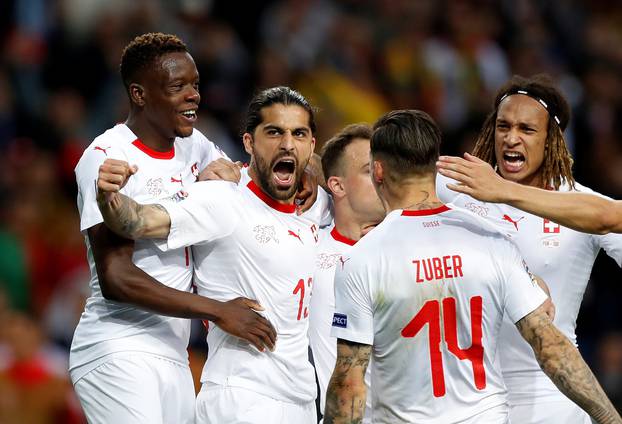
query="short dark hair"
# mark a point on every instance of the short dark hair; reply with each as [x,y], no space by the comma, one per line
[557,165]
[144,50]
[332,151]
[275,95]
[408,140]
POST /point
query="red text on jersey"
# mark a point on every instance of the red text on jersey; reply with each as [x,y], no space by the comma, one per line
[430,314]
[429,269]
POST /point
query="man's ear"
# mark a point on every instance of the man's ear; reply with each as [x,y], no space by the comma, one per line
[377,172]
[137,94]
[336,187]
[247,139]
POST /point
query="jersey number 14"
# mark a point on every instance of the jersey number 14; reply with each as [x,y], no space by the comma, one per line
[430,314]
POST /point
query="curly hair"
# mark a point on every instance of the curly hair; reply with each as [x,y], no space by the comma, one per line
[144,50]
[557,163]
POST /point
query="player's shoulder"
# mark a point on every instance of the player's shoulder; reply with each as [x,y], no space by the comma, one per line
[445,194]
[377,241]
[197,140]
[215,189]
[472,223]
[112,143]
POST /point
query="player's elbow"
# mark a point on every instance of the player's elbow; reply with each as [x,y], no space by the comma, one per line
[609,221]
[109,285]
[114,285]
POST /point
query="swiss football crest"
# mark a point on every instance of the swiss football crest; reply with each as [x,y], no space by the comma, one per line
[265,233]
[550,227]
[327,260]
[155,187]
[477,209]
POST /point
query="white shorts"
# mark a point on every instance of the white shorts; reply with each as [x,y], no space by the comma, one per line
[218,404]
[138,388]
[550,412]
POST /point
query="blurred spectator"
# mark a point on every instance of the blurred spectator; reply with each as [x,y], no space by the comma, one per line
[34,388]
[355,59]
[610,366]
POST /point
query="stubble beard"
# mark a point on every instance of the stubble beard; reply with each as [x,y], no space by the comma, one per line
[263,171]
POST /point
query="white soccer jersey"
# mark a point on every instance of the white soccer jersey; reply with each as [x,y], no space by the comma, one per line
[108,327]
[563,258]
[247,244]
[331,249]
[428,289]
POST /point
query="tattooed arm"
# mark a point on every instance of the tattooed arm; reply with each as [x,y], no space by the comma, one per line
[346,394]
[123,215]
[563,363]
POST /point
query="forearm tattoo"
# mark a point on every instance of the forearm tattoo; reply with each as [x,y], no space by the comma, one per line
[563,363]
[126,217]
[345,397]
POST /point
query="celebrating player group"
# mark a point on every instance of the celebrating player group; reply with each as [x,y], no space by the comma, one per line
[422,299]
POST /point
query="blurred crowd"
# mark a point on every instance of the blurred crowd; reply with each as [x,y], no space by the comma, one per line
[354,59]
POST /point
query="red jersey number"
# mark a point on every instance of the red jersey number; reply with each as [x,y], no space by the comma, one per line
[303,311]
[430,314]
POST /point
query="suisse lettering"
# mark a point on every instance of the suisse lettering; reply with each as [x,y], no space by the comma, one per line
[435,268]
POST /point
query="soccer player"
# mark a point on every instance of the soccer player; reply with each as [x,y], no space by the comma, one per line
[425,293]
[248,241]
[523,138]
[580,211]
[357,209]
[128,359]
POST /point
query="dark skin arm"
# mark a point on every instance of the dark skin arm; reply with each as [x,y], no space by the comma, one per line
[122,281]
[563,363]
[346,393]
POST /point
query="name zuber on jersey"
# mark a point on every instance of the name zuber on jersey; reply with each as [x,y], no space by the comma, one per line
[426,269]
[430,269]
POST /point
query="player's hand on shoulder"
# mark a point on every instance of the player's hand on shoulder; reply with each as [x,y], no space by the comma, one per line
[239,318]
[222,169]
[113,175]
[474,177]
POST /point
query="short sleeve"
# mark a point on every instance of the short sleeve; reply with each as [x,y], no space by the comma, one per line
[209,211]
[353,318]
[87,171]
[522,294]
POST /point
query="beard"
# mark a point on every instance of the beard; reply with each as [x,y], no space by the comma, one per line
[263,171]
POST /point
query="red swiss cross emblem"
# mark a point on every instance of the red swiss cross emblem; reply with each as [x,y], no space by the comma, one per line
[549,226]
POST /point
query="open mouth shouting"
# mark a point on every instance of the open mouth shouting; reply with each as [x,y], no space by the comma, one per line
[513,161]
[284,172]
